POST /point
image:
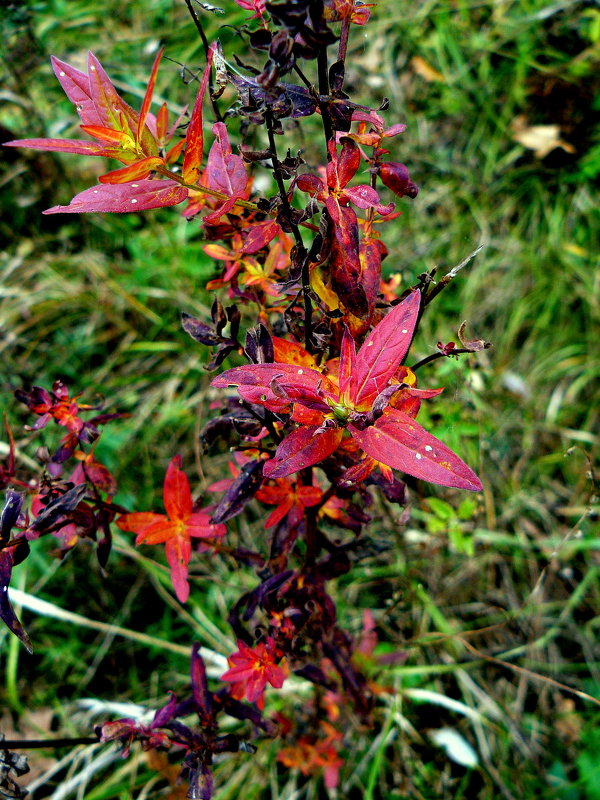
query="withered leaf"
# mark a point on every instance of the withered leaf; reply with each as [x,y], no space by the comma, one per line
[474,345]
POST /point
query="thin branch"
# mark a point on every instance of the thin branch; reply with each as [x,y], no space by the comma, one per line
[445,280]
[34,744]
[324,94]
[206,47]
[459,351]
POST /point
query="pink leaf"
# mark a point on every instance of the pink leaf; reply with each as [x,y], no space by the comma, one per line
[226,172]
[401,443]
[384,349]
[199,526]
[107,102]
[78,146]
[302,448]
[121,198]
[259,236]
[76,86]
[300,384]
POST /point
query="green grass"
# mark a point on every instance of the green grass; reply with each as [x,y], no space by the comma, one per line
[96,301]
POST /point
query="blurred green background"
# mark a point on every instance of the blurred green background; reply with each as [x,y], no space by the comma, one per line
[502,106]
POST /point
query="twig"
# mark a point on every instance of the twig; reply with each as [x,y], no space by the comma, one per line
[445,280]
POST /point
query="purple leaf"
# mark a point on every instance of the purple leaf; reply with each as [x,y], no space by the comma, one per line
[7,613]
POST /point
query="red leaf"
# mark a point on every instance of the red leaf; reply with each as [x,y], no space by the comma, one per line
[78,146]
[259,236]
[148,95]
[395,176]
[362,196]
[199,526]
[401,443]
[225,171]
[345,267]
[179,551]
[192,159]
[370,272]
[110,136]
[300,384]
[138,171]
[109,105]
[384,349]
[177,496]
[76,86]
[347,362]
[302,448]
[121,198]
[342,169]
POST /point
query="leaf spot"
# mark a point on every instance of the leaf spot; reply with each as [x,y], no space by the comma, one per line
[134,200]
[92,68]
[429,448]
[62,73]
[369,344]
[134,185]
[300,372]
[95,191]
[404,330]
[418,456]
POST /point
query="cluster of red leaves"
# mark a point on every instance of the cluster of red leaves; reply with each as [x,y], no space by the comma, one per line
[252,668]
[342,401]
[362,400]
[313,754]
[176,528]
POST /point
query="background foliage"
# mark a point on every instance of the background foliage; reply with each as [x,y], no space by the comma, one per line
[96,300]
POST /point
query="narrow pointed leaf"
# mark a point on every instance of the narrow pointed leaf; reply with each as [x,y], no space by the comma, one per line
[148,95]
[177,496]
[76,86]
[138,171]
[384,349]
[401,443]
[347,361]
[139,522]
[10,513]
[7,613]
[300,384]
[160,531]
[108,135]
[192,159]
[121,198]
[179,551]
[78,146]
[108,103]
[303,448]
[345,266]
[239,493]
